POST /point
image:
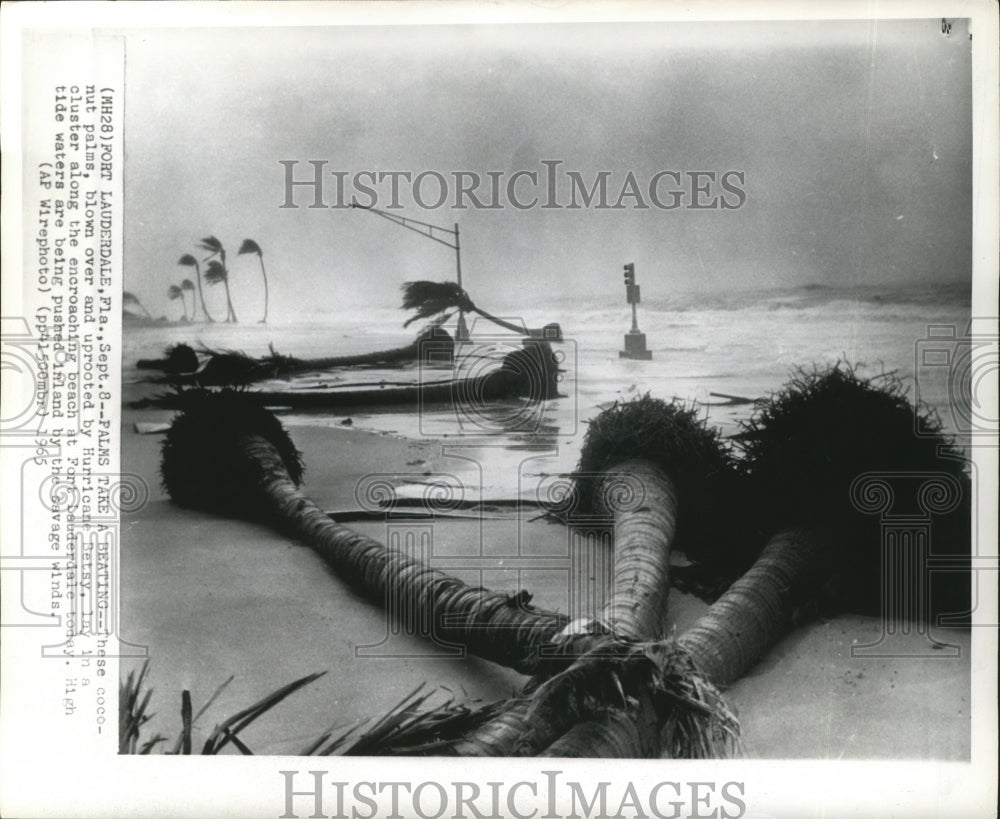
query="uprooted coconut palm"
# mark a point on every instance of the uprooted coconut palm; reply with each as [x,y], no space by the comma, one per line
[225,368]
[226,454]
[530,373]
[805,447]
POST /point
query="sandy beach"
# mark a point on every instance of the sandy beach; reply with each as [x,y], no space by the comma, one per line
[214,597]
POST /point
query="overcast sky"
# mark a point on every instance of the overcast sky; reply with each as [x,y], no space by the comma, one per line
[853,138]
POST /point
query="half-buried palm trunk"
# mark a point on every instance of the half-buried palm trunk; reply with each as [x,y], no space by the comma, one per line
[227,455]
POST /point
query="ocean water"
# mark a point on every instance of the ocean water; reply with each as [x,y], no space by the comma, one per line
[736,343]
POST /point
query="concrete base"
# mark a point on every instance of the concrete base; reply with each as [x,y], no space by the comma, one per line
[635,347]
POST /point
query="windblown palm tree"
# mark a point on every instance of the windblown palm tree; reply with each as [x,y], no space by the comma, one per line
[250,246]
[131,300]
[174,293]
[187,260]
[217,271]
[438,298]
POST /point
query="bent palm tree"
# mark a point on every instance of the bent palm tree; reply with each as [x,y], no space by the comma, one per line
[174,293]
[131,300]
[187,260]
[217,271]
[250,246]
[437,298]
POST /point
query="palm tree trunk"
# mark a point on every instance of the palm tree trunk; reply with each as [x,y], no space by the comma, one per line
[263,272]
[553,720]
[230,313]
[743,624]
[498,627]
[643,500]
[201,295]
[500,322]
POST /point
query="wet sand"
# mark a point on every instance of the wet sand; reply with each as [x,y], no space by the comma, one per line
[214,597]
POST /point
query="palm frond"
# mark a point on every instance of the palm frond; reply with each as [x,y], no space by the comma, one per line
[432,298]
[129,298]
[250,246]
[210,244]
[187,284]
[174,292]
[414,725]
[215,272]
[187,260]
[227,731]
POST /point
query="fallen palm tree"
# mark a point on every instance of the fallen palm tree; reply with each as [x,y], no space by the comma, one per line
[530,373]
[805,447]
[226,368]
[226,454]
[597,692]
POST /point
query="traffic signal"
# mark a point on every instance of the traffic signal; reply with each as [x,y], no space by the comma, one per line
[629,274]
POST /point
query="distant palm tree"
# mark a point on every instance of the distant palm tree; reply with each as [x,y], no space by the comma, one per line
[250,246]
[131,300]
[187,286]
[215,273]
[217,270]
[190,261]
[174,292]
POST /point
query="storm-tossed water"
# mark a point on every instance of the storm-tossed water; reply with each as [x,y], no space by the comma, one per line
[737,343]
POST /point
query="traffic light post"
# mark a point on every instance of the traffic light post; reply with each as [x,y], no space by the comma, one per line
[635,342]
